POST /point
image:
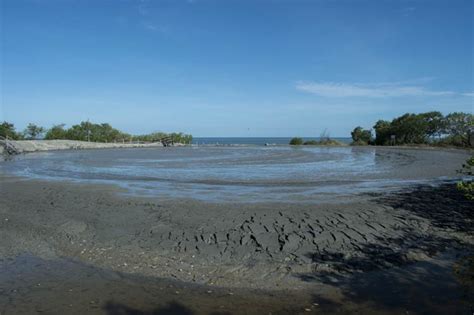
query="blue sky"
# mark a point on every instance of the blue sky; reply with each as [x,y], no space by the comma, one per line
[234,68]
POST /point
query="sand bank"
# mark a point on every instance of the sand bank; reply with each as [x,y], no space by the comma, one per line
[25,146]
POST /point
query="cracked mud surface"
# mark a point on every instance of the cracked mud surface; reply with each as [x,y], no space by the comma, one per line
[235,245]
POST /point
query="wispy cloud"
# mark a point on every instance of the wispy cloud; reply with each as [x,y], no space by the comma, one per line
[143,8]
[331,89]
[152,27]
[408,11]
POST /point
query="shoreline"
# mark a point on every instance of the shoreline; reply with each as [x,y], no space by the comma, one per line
[31,146]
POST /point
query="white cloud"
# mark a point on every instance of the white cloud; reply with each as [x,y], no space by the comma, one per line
[149,26]
[408,11]
[331,89]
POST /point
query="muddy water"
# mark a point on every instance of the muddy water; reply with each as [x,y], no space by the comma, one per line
[247,174]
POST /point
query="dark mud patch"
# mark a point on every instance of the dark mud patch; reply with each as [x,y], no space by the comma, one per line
[434,286]
[429,270]
[31,285]
[444,205]
[447,224]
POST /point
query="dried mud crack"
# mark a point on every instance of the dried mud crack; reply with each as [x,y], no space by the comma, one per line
[231,244]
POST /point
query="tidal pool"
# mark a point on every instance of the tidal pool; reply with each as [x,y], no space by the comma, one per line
[245,174]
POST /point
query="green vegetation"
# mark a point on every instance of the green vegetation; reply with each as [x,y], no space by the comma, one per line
[175,137]
[426,128]
[296,141]
[324,139]
[56,132]
[7,130]
[361,136]
[467,186]
[87,131]
[33,132]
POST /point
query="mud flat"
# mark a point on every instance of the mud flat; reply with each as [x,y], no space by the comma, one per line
[370,253]
[278,248]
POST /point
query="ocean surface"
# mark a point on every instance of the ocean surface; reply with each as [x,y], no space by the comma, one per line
[255,140]
[244,173]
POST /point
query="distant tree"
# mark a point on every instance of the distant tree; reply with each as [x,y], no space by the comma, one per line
[79,132]
[460,128]
[87,131]
[181,138]
[33,131]
[56,132]
[435,124]
[382,132]
[296,141]
[424,128]
[361,136]
[409,129]
[7,130]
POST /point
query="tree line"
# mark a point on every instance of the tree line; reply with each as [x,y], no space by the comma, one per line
[456,129]
[86,131]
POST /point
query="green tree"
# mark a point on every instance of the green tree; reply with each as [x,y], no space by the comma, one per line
[361,136]
[56,132]
[87,131]
[7,130]
[382,132]
[79,132]
[459,127]
[33,131]
[409,129]
[435,124]
[296,141]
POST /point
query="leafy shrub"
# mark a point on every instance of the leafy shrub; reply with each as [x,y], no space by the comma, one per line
[296,141]
[361,136]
